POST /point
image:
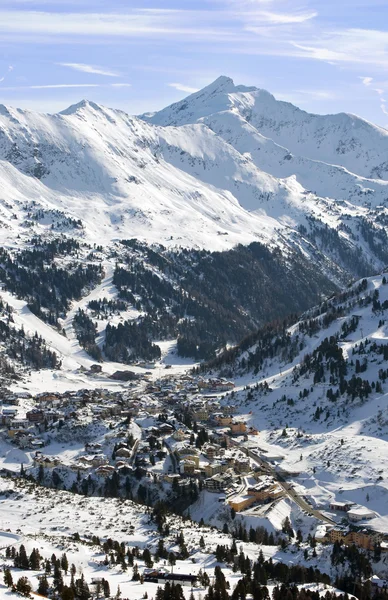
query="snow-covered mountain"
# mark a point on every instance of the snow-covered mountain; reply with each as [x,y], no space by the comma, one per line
[341,139]
[107,169]
[227,165]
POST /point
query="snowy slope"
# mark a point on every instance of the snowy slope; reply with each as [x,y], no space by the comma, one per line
[322,178]
[339,450]
[105,168]
[48,519]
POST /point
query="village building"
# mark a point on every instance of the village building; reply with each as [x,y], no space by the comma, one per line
[360,514]
[219,482]
[35,416]
[341,506]
[365,539]
[238,428]
[212,469]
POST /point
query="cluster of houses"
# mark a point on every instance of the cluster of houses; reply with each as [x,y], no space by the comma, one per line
[169,417]
[219,463]
[29,422]
[352,533]
[165,447]
[262,490]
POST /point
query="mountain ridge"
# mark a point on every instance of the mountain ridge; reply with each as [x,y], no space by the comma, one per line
[248,104]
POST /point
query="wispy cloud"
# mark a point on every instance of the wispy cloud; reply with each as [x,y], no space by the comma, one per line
[243,4]
[183,88]
[93,69]
[305,96]
[251,27]
[380,91]
[318,94]
[9,70]
[136,23]
[275,18]
[352,46]
[59,86]
[367,81]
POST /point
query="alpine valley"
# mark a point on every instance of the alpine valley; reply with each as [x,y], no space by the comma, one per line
[193,351]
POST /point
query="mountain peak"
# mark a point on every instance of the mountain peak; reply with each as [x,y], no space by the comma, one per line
[221,84]
[74,108]
[224,84]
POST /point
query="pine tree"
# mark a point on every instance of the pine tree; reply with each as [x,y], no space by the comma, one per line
[147,558]
[21,559]
[23,586]
[43,587]
[171,559]
[34,560]
[67,593]
[40,473]
[8,580]
[64,563]
[57,577]
[106,588]
[82,589]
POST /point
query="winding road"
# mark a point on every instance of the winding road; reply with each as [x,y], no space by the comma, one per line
[288,488]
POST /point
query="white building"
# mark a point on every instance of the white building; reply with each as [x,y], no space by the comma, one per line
[360,514]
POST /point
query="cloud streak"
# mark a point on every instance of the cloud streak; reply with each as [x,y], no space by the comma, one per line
[274,18]
[183,88]
[199,24]
[60,86]
[95,70]
[9,70]
[354,46]
[367,81]
[248,27]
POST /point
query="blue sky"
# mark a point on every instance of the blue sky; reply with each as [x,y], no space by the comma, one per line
[323,55]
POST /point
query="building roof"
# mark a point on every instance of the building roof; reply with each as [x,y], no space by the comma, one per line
[361,511]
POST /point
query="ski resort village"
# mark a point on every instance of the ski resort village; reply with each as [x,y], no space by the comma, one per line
[157,475]
[193,351]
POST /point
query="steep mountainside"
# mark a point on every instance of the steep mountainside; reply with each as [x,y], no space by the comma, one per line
[202,299]
[337,162]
